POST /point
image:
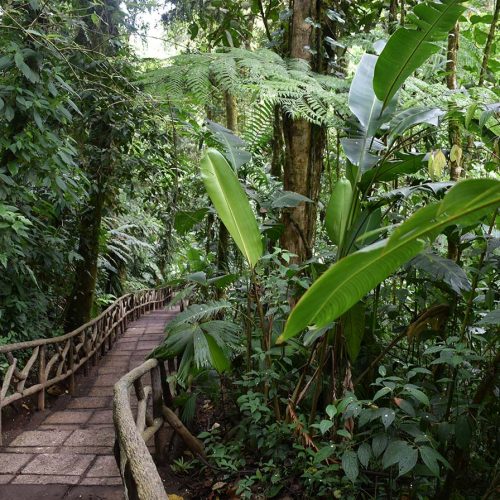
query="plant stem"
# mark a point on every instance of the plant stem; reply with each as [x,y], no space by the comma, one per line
[475,280]
[319,385]
[249,327]
[266,344]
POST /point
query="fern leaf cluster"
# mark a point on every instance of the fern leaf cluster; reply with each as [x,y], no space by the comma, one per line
[261,76]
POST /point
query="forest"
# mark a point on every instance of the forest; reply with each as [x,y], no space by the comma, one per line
[317,182]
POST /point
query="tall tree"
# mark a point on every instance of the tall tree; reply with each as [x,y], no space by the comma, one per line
[453,126]
[40,183]
[304,141]
[489,43]
[451,81]
[97,37]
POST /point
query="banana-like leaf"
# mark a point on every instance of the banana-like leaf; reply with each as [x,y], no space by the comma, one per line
[362,99]
[440,269]
[348,280]
[360,151]
[409,48]
[354,329]
[407,163]
[337,212]
[411,117]
[232,205]
[361,143]
[234,147]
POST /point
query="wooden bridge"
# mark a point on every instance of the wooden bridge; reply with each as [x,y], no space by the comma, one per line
[73,449]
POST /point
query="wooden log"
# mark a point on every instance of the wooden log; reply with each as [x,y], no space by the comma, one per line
[153,429]
[193,443]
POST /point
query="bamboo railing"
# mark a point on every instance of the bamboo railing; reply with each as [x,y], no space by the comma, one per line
[46,362]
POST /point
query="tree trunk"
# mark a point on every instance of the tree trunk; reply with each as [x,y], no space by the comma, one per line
[231,112]
[489,43]
[304,141]
[277,154]
[393,15]
[451,81]
[82,297]
[453,128]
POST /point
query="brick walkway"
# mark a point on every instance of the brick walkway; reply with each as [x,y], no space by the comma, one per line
[69,453]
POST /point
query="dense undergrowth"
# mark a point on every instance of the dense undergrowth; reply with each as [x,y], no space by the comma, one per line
[319,181]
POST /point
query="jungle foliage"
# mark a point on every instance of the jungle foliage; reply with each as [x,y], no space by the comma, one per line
[320,183]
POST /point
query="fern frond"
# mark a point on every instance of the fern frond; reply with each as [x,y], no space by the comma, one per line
[261,76]
[199,312]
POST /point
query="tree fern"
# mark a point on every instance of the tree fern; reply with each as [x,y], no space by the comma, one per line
[259,122]
[261,75]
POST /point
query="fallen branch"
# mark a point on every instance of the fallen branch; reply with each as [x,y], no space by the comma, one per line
[193,443]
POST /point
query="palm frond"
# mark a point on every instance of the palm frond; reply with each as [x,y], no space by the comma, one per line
[199,312]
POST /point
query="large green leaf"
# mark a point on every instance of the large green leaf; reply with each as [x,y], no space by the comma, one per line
[350,464]
[337,211]
[362,99]
[232,205]
[234,147]
[361,144]
[354,329]
[407,163]
[409,48]
[361,151]
[410,117]
[440,269]
[347,281]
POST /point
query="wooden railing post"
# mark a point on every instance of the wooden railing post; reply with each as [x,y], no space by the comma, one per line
[87,355]
[161,437]
[167,396]
[139,390]
[101,335]
[72,366]
[42,378]
[1,397]
[111,339]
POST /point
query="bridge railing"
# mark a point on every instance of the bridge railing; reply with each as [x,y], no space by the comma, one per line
[140,477]
[143,418]
[32,367]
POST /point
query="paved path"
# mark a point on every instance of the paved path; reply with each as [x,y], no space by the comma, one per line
[68,453]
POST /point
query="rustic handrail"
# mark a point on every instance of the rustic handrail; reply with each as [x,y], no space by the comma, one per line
[153,418]
[49,361]
[137,469]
